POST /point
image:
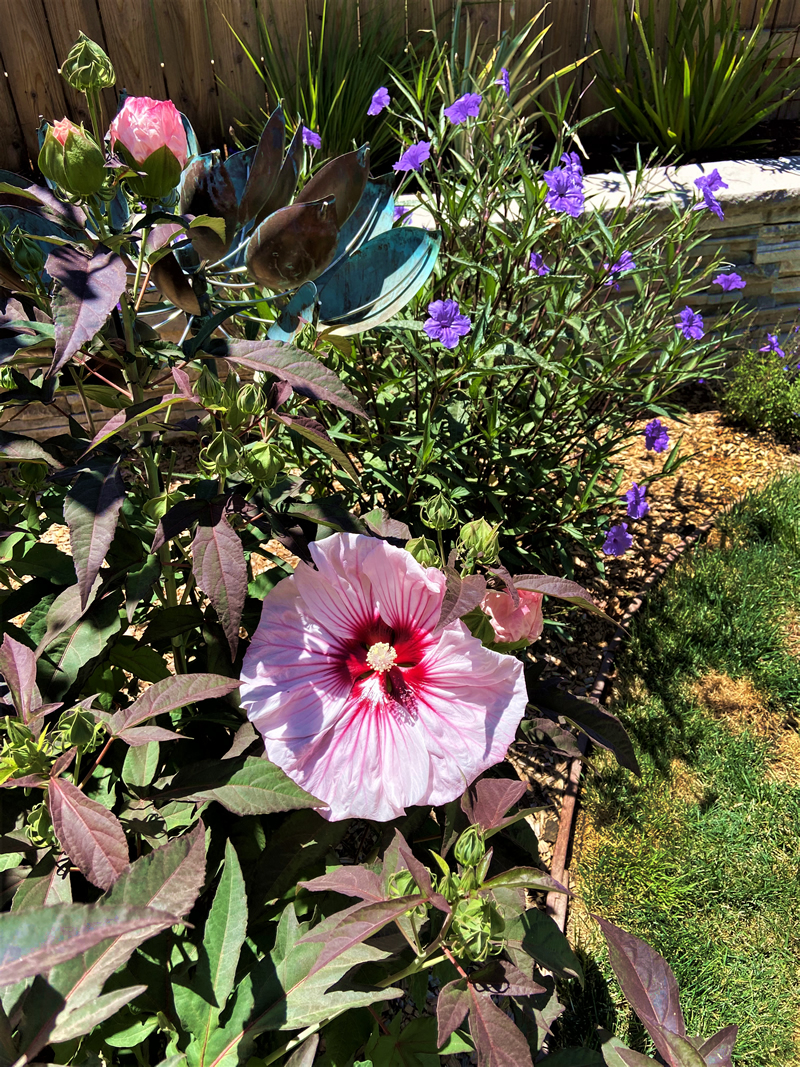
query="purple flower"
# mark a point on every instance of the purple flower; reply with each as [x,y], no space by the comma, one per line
[708,185]
[313,140]
[729,281]
[656,436]
[401,214]
[414,156]
[618,540]
[538,264]
[773,346]
[637,505]
[565,186]
[691,324]
[623,264]
[380,100]
[445,324]
[504,81]
[467,106]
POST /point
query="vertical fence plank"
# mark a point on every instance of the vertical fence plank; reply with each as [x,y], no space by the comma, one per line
[788,19]
[133,46]
[418,17]
[30,62]
[240,89]
[13,153]
[565,43]
[286,23]
[188,73]
[602,29]
[66,19]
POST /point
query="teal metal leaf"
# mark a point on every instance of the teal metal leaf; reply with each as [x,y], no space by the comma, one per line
[299,309]
[373,215]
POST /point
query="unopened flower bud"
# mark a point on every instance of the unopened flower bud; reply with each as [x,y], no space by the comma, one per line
[18,733]
[39,827]
[211,390]
[424,551]
[28,255]
[157,508]
[222,454]
[438,513]
[87,66]
[470,848]
[32,474]
[450,887]
[72,159]
[250,399]
[479,542]
[472,927]
[77,728]
[264,462]
[402,884]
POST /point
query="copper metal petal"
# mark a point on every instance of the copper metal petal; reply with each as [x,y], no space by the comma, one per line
[344,178]
[294,245]
[266,167]
[168,277]
[286,182]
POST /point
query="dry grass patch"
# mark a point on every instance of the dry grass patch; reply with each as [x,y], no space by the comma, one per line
[737,704]
[784,766]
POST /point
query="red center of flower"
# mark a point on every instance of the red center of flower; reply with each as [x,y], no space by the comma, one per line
[383,665]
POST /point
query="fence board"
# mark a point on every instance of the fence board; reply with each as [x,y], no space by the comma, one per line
[13,155]
[29,60]
[418,17]
[286,23]
[566,41]
[133,46]
[240,89]
[66,18]
[188,73]
[602,26]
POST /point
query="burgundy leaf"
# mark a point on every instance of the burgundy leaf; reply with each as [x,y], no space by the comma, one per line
[303,371]
[91,511]
[381,524]
[718,1050]
[244,737]
[177,519]
[27,781]
[498,1042]
[487,801]
[647,982]
[88,292]
[503,979]
[65,611]
[130,415]
[630,1058]
[90,834]
[421,876]
[63,761]
[69,215]
[34,940]
[350,882]
[220,571]
[561,739]
[143,735]
[502,573]
[279,393]
[452,1006]
[170,694]
[560,588]
[183,383]
[680,1052]
[316,432]
[305,1054]
[600,725]
[362,921]
[161,235]
[460,596]
[18,668]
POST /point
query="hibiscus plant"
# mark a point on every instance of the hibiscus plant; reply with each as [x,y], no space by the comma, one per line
[233,705]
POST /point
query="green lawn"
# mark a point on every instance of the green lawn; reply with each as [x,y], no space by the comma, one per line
[702,856]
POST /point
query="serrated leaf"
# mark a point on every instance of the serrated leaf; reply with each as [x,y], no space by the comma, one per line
[460,597]
[65,611]
[487,801]
[62,661]
[412,1046]
[562,589]
[600,725]
[246,786]
[498,1042]
[89,290]
[130,416]
[43,887]
[220,571]
[18,668]
[36,939]
[350,881]
[141,764]
[90,834]
[91,511]
[718,1049]
[305,1054]
[172,693]
[72,1024]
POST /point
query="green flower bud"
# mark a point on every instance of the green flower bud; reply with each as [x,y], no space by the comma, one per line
[479,542]
[18,733]
[402,884]
[77,728]
[211,391]
[221,455]
[27,254]
[87,66]
[263,462]
[424,552]
[39,827]
[71,158]
[33,474]
[438,513]
[250,400]
[6,375]
[472,929]
[157,508]
[450,887]
[470,847]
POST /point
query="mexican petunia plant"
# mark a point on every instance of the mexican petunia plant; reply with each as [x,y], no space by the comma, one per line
[257,766]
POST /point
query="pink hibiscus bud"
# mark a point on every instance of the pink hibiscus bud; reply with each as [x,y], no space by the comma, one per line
[512,624]
[72,159]
[150,137]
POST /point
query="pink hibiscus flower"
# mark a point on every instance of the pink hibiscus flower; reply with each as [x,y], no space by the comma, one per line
[356,697]
[512,624]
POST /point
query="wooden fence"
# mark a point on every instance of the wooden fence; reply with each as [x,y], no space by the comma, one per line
[185,50]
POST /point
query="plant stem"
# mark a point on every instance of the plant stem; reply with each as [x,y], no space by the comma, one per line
[96,763]
[139,264]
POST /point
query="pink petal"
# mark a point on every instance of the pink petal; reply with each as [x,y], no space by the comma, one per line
[408,596]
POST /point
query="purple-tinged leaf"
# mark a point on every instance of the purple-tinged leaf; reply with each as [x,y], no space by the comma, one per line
[220,572]
[72,1024]
[65,611]
[460,597]
[15,446]
[647,982]
[244,737]
[89,290]
[350,882]
[303,371]
[717,1051]
[36,939]
[90,834]
[503,979]
[18,668]
[304,1055]
[362,922]
[525,878]
[177,519]
[600,725]
[130,415]
[170,694]
[421,875]
[502,573]
[91,511]
[143,735]
[63,761]
[27,781]
[167,276]
[561,740]
[68,215]
[562,589]
[315,432]
[249,786]
[680,1052]
[46,885]
[452,1006]
[161,235]
[183,383]
[487,801]
[498,1042]
[381,524]
[614,1050]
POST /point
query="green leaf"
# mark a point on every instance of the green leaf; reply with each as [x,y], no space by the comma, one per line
[142,662]
[91,511]
[173,692]
[132,1034]
[536,934]
[44,886]
[211,223]
[172,622]
[413,1046]
[61,664]
[72,1024]
[141,764]
[245,786]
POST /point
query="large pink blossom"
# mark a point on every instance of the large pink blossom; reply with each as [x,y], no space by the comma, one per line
[511,623]
[144,125]
[356,697]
